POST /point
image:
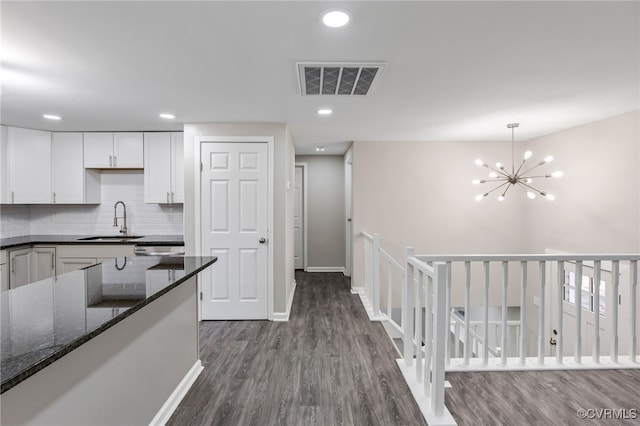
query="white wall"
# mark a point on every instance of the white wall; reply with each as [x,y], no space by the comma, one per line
[325,210]
[284,153]
[125,185]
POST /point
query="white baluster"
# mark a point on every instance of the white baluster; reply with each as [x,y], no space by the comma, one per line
[407,308]
[597,276]
[615,271]
[523,303]
[440,338]
[541,338]
[505,283]
[467,297]
[560,312]
[485,337]
[418,324]
[389,288]
[578,356]
[376,276]
[448,301]
[633,283]
[429,325]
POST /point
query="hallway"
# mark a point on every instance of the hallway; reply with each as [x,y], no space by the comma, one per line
[328,365]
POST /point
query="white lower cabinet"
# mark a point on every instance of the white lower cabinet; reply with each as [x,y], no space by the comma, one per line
[72,257]
[31,264]
[19,267]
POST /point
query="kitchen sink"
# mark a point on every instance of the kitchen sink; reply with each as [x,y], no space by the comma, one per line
[110,238]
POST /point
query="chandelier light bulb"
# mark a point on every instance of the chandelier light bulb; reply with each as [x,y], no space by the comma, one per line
[531,195]
[480,197]
[528,180]
[500,198]
[550,197]
[493,175]
[548,159]
[557,174]
[527,155]
[479,162]
[499,165]
[475,181]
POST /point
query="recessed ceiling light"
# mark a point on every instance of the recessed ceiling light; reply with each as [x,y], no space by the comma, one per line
[335,18]
[324,111]
[320,148]
[52,117]
[167,116]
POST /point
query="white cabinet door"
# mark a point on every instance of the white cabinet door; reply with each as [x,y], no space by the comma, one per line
[67,168]
[19,267]
[128,150]
[4,277]
[43,263]
[68,264]
[177,167]
[157,163]
[98,150]
[4,166]
[29,153]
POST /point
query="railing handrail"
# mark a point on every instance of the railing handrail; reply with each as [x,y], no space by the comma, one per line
[388,257]
[525,257]
[367,235]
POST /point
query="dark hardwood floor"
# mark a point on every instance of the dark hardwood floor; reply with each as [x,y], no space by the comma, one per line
[329,365]
[544,397]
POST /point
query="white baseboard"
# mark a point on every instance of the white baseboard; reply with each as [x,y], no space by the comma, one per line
[284,316]
[357,290]
[176,396]
[325,269]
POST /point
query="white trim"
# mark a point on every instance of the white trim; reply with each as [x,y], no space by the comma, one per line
[170,405]
[269,140]
[325,269]
[305,220]
[357,290]
[284,316]
[348,193]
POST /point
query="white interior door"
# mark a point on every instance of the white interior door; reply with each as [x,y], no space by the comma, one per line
[298,219]
[234,215]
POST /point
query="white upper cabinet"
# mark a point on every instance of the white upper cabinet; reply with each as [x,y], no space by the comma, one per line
[163,167]
[113,150]
[128,150]
[72,183]
[29,163]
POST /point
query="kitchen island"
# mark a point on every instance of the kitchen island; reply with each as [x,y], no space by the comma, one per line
[110,344]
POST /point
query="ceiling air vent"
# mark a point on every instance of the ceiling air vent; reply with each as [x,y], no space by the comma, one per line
[332,78]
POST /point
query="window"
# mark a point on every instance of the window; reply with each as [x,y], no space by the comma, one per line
[588,289]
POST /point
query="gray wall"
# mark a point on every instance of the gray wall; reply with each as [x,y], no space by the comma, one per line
[325,215]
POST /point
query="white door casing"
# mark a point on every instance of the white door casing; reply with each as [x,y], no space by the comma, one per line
[234,219]
[299,214]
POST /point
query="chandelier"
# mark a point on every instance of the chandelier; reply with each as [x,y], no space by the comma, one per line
[503,179]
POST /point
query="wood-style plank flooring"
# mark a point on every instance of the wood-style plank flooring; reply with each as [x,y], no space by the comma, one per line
[543,397]
[329,365]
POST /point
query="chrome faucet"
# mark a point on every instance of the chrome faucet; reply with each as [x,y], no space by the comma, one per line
[123,228]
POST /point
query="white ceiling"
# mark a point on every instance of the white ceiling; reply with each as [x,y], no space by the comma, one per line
[455,70]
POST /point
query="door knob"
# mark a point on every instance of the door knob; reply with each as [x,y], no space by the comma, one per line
[262,240]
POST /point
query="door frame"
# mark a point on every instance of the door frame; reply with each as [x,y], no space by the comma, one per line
[269,140]
[348,211]
[305,241]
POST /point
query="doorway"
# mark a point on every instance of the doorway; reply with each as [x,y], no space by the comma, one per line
[300,216]
[235,214]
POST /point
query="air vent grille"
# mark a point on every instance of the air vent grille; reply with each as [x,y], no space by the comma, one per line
[339,79]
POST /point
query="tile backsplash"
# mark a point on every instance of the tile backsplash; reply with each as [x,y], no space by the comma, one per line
[117,185]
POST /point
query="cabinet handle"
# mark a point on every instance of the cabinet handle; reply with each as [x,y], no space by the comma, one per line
[172,200]
[111,161]
[53,262]
[168,198]
[115,161]
[54,197]
[13,265]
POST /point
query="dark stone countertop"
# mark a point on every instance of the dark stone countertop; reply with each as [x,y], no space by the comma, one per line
[147,240]
[45,320]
